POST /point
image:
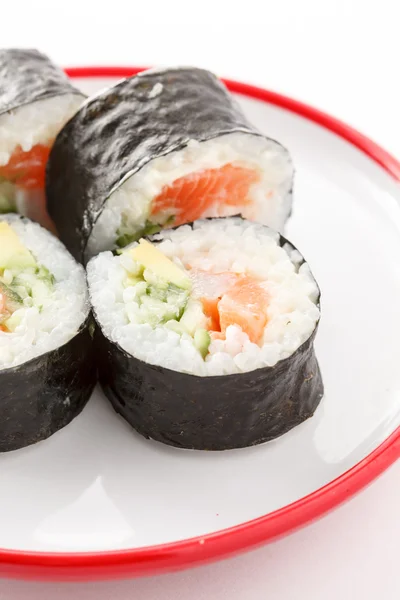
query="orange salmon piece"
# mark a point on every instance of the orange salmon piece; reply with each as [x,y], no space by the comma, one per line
[210,307]
[244,305]
[27,169]
[189,198]
[209,287]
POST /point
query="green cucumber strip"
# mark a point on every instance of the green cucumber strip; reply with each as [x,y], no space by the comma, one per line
[149,229]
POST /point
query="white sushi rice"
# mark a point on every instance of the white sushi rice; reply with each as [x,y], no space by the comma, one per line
[67,306]
[270,196]
[218,246]
[35,123]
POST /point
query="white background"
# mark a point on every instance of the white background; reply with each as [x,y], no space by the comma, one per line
[342,57]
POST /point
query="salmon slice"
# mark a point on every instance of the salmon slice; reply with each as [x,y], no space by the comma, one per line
[209,288]
[245,305]
[191,197]
[231,299]
[210,308]
[27,169]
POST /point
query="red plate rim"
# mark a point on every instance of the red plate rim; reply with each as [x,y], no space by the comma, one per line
[185,553]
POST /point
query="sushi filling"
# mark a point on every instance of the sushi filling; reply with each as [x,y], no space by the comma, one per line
[232,174]
[209,192]
[22,287]
[220,298]
[40,287]
[27,135]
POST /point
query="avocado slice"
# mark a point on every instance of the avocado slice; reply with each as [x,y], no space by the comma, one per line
[151,258]
[13,254]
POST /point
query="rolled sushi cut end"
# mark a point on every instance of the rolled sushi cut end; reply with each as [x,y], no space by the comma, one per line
[36,100]
[233,174]
[158,150]
[205,334]
[46,358]
[221,296]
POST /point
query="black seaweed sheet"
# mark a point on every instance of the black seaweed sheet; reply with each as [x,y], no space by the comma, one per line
[27,76]
[44,394]
[123,128]
[211,413]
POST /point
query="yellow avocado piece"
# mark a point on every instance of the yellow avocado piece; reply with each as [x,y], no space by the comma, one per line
[151,258]
[13,253]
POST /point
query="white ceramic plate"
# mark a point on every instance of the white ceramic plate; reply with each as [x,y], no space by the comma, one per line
[133,506]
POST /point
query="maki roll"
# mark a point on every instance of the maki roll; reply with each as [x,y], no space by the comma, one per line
[36,100]
[47,370]
[159,150]
[205,334]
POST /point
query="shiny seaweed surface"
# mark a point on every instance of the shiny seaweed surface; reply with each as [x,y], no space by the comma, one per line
[26,76]
[120,130]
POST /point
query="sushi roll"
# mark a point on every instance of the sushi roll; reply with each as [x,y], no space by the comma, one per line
[205,334]
[36,100]
[159,150]
[47,369]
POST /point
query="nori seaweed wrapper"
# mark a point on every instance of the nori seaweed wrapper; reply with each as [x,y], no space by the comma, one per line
[27,76]
[39,397]
[120,130]
[215,412]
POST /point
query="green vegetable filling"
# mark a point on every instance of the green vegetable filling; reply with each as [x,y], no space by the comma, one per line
[126,237]
[23,283]
[160,295]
